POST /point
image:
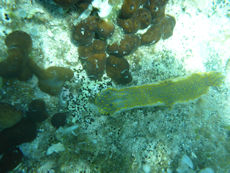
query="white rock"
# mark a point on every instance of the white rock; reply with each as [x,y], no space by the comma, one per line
[146,168]
[55,148]
[84,15]
[185,165]
[68,130]
[187,161]
[103,7]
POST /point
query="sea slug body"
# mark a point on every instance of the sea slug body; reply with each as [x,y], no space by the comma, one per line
[166,92]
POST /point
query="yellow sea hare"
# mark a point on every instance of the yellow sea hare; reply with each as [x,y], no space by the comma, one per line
[167,92]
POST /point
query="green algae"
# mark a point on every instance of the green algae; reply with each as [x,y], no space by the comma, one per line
[167,92]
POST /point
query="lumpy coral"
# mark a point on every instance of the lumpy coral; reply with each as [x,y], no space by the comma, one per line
[84,32]
[130,25]
[152,35]
[137,15]
[134,16]
[127,45]
[98,46]
[93,58]
[95,65]
[143,16]
[140,19]
[168,24]
[129,7]
[104,29]
[92,44]
[166,92]
[118,69]
[157,8]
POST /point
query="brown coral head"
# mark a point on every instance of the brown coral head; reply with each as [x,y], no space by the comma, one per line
[95,66]
[152,35]
[19,39]
[128,8]
[104,29]
[98,46]
[118,70]
[53,78]
[128,44]
[15,66]
[82,34]
[168,24]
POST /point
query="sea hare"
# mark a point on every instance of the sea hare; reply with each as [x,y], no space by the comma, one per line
[167,92]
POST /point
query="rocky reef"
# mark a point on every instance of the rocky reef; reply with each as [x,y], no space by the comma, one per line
[154,65]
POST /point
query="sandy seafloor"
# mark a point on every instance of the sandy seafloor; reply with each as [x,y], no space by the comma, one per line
[189,138]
